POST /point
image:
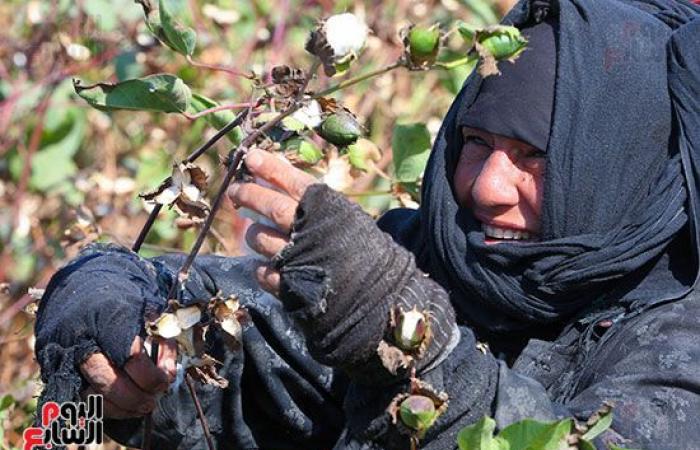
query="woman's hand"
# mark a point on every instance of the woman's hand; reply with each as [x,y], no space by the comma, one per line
[131,391]
[277,206]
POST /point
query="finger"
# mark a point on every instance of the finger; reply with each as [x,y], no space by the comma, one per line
[146,374]
[167,358]
[276,206]
[265,240]
[115,385]
[279,173]
[143,371]
[269,279]
[111,410]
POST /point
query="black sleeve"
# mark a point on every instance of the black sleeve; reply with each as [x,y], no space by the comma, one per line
[340,278]
[278,396]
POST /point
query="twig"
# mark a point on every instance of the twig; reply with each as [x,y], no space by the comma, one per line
[235,158]
[192,158]
[146,227]
[185,268]
[216,67]
[200,412]
[354,80]
[216,109]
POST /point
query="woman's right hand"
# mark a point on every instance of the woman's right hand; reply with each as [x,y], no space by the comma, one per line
[131,391]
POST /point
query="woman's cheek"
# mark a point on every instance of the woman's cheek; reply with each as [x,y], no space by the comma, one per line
[464,177]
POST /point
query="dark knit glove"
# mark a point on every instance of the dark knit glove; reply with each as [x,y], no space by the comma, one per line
[348,284]
[94,304]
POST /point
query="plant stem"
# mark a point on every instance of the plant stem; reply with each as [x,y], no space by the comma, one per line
[216,109]
[219,68]
[183,273]
[458,62]
[193,156]
[152,216]
[354,80]
[200,411]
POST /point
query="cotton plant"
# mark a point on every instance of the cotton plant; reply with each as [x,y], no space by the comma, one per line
[313,130]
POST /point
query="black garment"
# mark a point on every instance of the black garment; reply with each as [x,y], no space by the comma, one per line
[279,397]
[647,360]
[615,185]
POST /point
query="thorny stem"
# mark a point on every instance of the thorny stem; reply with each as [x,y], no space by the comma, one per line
[193,156]
[200,411]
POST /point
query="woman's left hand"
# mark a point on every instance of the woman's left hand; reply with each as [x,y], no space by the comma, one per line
[277,205]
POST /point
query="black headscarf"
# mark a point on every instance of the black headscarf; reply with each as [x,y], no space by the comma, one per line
[620,183]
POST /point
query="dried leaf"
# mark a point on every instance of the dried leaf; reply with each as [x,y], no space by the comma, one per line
[188,316]
[166,326]
[183,189]
[205,372]
[393,358]
[84,230]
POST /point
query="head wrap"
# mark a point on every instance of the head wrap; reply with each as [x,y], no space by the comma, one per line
[620,183]
[518,103]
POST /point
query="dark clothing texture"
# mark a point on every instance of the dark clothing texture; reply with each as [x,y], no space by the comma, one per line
[603,307]
[280,397]
[614,189]
[518,103]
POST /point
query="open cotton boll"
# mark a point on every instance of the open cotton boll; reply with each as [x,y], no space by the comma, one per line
[346,34]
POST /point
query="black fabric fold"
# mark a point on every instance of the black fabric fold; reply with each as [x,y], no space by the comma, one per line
[616,189]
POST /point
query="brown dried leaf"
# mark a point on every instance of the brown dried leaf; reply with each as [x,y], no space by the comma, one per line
[393,358]
[205,372]
[83,230]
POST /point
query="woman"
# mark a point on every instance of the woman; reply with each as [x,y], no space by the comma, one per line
[558,225]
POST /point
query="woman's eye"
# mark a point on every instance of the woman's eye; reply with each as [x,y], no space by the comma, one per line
[535,159]
[475,140]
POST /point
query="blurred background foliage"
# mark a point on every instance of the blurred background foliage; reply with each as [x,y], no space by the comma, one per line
[70,174]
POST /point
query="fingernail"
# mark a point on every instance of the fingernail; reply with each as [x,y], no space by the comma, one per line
[233,189]
[253,159]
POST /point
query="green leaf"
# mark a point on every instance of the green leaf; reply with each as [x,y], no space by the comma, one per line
[357,156]
[306,151]
[531,434]
[483,10]
[292,124]
[126,66]
[218,119]
[411,146]
[6,401]
[180,38]
[585,445]
[160,93]
[466,31]
[53,163]
[615,447]
[479,436]
[602,424]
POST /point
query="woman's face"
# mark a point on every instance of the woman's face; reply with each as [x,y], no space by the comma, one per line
[500,179]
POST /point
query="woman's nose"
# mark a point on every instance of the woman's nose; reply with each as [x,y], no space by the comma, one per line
[496,183]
